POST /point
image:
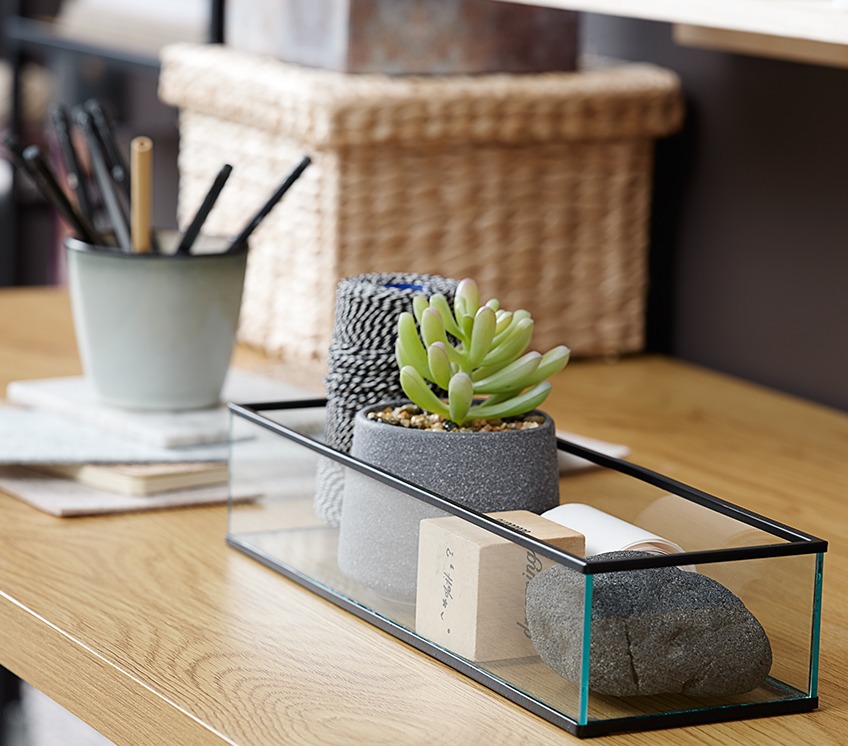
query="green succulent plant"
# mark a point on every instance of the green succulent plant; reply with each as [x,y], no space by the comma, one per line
[472,351]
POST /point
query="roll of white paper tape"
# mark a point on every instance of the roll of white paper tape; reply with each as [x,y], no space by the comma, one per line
[699,527]
[606,533]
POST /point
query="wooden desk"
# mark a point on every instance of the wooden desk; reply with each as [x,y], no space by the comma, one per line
[152,630]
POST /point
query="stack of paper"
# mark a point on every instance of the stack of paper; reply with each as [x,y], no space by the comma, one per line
[65,453]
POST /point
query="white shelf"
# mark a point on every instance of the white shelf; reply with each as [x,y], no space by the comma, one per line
[809,20]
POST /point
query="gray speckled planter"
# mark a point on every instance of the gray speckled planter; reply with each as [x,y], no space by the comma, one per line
[378,535]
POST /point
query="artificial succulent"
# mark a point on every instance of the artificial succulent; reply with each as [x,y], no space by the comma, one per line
[472,351]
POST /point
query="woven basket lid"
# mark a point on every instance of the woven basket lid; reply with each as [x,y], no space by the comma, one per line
[326,109]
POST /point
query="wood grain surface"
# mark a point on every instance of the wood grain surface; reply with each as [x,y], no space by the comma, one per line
[155,632]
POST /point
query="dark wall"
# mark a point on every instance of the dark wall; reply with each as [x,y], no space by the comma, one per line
[750,262]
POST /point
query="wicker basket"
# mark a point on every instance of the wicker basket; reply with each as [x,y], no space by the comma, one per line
[536,185]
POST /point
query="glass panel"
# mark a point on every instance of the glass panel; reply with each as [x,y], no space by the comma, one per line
[728,633]
[682,522]
[456,585]
[779,593]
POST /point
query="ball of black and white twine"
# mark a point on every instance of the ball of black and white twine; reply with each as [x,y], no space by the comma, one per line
[361,360]
[361,366]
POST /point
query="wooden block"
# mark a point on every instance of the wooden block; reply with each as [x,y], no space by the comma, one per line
[472,583]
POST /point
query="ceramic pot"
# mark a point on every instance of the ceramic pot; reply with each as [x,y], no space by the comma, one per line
[486,471]
[156,331]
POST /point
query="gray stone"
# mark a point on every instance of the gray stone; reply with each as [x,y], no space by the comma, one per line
[654,631]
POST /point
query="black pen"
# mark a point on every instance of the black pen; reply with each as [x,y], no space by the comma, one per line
[114,158]
[117,217]
[193,230]
[269,205]
[75,178]
[115,161]
[31,161]
[16,154]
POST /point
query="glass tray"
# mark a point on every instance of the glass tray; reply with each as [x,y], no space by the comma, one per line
[482,587]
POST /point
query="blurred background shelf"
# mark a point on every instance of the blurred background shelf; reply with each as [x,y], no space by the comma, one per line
[811,20]
[45,37]
[70,51]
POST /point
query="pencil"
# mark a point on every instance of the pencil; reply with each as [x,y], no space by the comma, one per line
[269,205]
[193,230]
[141,182]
